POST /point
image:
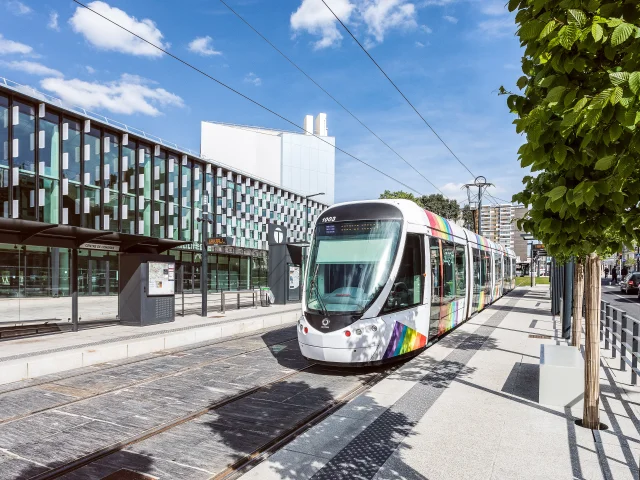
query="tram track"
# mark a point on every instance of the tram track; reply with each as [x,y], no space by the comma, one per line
[248,461]
[134,383]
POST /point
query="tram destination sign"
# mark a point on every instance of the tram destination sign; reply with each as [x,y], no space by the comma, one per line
[101,246]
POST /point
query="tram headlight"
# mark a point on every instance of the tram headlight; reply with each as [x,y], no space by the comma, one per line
[358,331]
[373,328]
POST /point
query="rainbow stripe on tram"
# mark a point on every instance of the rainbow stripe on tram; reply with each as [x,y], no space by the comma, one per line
[483,242]
[451,315]
[481,300]
[440,227]
[404,340]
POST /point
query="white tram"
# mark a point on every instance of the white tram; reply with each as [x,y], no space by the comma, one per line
[385,278]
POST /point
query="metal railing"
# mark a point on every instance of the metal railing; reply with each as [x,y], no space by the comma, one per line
[191,303]
[239,299]
[621,333]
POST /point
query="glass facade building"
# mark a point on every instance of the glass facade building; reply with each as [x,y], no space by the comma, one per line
[73,181]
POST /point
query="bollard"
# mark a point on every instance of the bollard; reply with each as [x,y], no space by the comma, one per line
[607,325]
[238,300]
[634,352]
[623,342]
[614,330]
[222,302]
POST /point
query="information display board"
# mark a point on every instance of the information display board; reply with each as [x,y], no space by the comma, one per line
[161,278]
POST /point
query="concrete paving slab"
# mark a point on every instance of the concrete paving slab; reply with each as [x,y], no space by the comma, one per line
[287,465]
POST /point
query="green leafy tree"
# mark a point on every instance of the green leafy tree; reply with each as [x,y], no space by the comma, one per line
[399,195]
[438,203]
[579,111]
[469,218]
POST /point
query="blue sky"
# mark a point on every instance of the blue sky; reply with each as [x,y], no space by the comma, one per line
[448,56]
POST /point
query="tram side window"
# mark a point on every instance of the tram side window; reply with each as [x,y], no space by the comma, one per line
[460,271]
[448,272]
[486,270]
[408,288]
[434,253]
[498,269]
[477,265]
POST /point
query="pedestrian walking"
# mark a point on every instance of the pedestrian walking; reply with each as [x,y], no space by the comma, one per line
[606,272]
[624,271]
[614,275]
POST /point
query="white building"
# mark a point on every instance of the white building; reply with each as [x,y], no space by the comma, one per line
[295,161]
[498,224]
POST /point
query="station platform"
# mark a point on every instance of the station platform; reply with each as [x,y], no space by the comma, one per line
[35,356]
[468,408]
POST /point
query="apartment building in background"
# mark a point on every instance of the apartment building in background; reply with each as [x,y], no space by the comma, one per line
[499,224]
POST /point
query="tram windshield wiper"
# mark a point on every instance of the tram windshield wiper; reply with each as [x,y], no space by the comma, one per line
[314,286]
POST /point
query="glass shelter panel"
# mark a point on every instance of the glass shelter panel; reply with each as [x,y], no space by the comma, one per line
[4,157]
[24,157]
[92,180]
[49,168]
[71,163]
[129,188]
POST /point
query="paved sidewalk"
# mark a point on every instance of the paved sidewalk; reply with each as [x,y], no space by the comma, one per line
[468,408]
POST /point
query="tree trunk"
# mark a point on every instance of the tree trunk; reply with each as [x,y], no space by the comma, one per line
[578,292]
[591,413]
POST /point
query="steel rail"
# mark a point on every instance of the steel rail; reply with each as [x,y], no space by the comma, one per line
[135,383]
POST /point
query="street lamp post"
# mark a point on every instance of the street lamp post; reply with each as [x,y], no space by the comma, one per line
[204,269]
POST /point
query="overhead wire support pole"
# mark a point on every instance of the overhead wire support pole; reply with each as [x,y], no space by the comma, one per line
[481,183]
[255,102]
[329,95]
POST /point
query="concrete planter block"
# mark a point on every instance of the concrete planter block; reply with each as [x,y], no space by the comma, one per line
[561,375]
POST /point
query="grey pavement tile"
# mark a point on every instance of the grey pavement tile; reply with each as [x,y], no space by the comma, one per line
[396,469]
[271,413]
[330,436]
[71,444]
[29,400]
[12,468]
[37,427]
[287,465]
[157,467]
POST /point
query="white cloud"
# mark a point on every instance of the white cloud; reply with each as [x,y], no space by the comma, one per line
[128,95]
[383,15]
[450,19]
[202,46]
[32,68]
[426,29]
[106,36]
[315,18]
[253,79]
[378,16]
[9,46]
[18,8]
[420,45]
[498,27]
[90,69]
[53,22]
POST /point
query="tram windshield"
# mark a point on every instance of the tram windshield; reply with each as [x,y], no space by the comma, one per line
[350,264]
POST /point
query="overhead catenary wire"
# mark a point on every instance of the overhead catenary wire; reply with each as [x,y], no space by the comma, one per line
[328,94]
[255,102]
[396,87]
